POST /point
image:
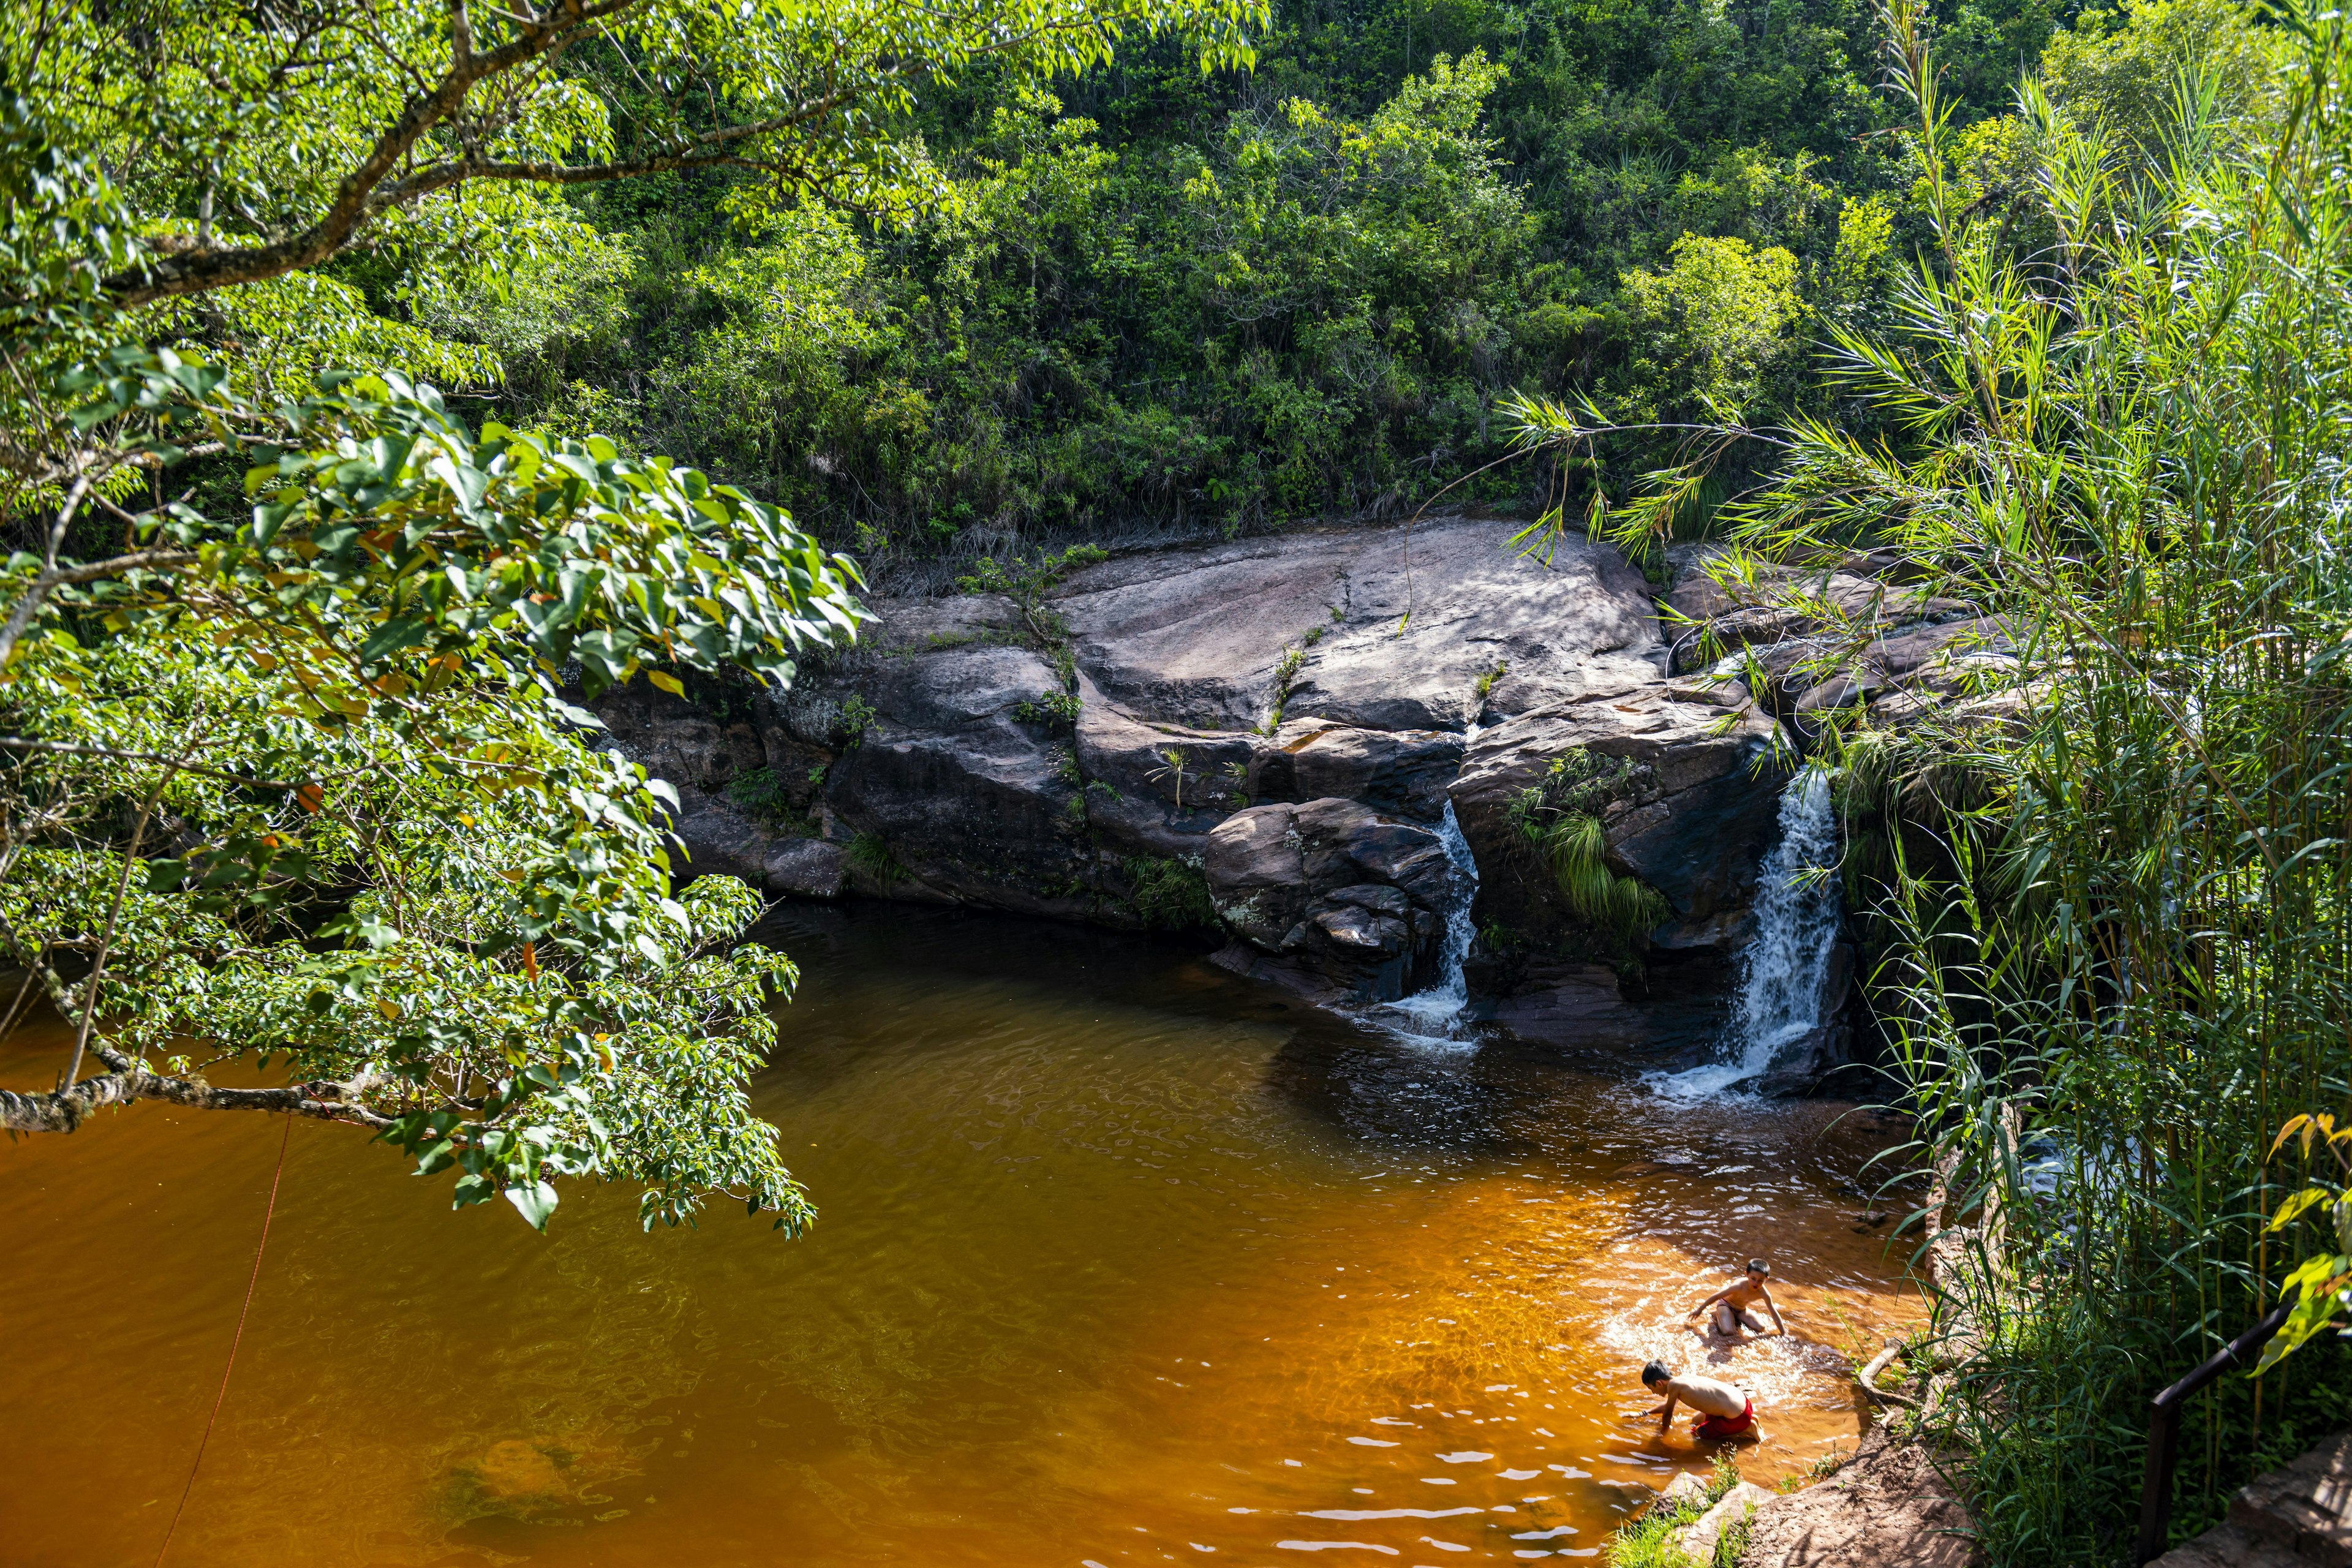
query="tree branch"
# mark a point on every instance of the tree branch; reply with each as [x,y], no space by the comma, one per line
[326,1100]
[197,271]
[21,615]
[61,748]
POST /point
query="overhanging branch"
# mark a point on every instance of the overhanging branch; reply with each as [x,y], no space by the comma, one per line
[326,1100]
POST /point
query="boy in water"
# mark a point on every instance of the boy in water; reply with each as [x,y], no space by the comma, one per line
[1732,1302]
[1723,1410]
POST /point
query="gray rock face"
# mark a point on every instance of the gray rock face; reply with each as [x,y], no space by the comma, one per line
[678,742]
[1405,773]
[1350,901]
[720,840]
[1156,788]
[806,869]
[975,802]
[1273,729]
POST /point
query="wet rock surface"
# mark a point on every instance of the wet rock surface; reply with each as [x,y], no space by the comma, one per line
[1690,813]
[1334,898]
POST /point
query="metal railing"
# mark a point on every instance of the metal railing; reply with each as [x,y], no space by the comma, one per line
[2164,1428]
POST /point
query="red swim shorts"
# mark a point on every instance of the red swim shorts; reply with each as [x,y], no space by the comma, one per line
[1725,1425]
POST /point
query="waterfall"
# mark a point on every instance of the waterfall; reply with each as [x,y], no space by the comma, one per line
[1783,972]
[1436,1010]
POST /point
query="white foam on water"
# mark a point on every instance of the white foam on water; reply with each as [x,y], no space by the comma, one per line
[1782,971]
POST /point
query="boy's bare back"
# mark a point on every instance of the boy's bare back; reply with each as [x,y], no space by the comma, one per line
[1712,1395]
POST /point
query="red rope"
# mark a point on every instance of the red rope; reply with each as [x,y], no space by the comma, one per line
[267,1215]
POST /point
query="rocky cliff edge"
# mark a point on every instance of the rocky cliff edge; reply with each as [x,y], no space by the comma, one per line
[1266,737]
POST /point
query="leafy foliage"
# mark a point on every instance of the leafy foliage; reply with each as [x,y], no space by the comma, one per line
[290,774]
[1560,822]
[454,924]
[2321,1283]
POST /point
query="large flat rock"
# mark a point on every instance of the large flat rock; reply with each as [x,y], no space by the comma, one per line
[1199,637]
[1283,722]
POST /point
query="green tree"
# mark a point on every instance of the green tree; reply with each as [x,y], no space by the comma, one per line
[291,779]
[1711,325]
[2124,68]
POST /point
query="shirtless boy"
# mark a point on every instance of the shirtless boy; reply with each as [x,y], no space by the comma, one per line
[1732,1302]
[1723,1410]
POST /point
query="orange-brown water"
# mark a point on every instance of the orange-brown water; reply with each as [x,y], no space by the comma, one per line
[1119,1261]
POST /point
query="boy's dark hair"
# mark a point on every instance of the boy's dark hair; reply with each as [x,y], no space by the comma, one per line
[1654,1373]
[1757,1266]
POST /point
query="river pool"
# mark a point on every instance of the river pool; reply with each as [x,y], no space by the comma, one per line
[1119,1260]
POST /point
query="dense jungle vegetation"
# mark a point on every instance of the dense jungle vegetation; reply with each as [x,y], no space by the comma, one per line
[1150,297]
[354,355]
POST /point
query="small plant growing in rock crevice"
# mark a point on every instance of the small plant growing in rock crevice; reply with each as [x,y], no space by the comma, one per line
[1285,675]
[855,718]
[1572,848]
[1560,823]
[1170,894]
[1054,710]
[1026,580]
[759,792]
[871,854]
[1173,766]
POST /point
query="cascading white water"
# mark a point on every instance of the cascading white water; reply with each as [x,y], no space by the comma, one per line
[1436,1010]
[1783,970]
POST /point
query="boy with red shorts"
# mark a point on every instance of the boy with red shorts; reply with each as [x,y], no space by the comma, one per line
[1723,1410]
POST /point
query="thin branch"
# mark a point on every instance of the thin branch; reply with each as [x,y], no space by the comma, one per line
[114,911]
[25,744]
[20,615]
[198,271]
[62,1111]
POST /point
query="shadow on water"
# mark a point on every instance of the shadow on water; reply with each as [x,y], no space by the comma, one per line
[1361,1081]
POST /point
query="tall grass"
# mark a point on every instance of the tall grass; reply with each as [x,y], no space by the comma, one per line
[2108,896]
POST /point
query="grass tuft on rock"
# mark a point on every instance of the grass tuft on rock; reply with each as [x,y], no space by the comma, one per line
[1648,1541]
[870,853]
